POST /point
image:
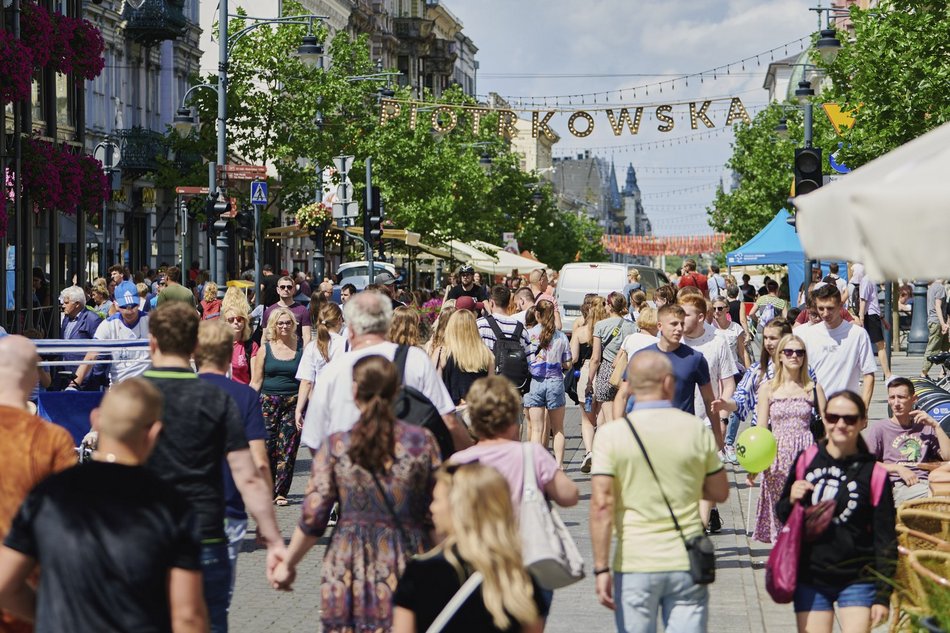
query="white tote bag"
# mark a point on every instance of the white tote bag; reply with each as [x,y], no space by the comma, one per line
[549,552]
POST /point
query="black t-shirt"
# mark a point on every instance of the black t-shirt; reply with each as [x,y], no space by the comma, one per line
[200,425]
[269,294]
[429,583]
[748,293]
[475,292]
[105,536]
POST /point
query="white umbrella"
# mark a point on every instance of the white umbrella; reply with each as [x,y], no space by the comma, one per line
[892,214]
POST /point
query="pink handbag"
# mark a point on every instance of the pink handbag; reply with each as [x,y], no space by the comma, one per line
[781,572]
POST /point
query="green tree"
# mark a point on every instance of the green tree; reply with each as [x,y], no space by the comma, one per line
[895,72]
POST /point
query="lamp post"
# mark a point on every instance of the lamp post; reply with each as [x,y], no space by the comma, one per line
[109,150]
[310,53]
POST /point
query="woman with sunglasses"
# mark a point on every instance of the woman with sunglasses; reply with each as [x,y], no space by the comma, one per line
[472,510]
[787,403]
[245,348]
[275,376]
[382,473]
[849,563]
[731,331]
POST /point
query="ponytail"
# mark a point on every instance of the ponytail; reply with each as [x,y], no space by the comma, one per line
[373,438]
[330,316]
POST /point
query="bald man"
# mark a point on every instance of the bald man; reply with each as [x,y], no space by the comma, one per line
[118,545]
[32,448]
[650,564]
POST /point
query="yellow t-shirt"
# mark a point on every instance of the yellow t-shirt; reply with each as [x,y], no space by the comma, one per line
[683,452]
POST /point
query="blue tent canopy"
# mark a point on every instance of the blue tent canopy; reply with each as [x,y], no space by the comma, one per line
[777,245]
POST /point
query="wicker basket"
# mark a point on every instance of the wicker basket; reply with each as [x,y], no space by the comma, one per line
[936,524]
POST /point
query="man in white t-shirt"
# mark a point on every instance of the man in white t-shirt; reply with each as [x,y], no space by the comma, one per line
[128,324]
[840,353]
[524,299]
[332,409]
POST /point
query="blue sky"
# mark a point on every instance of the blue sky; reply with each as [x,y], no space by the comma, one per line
[627,43]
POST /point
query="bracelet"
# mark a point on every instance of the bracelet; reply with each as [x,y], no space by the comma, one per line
[602,570]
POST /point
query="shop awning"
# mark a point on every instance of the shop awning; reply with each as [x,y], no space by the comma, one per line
[409,238]
[508,262]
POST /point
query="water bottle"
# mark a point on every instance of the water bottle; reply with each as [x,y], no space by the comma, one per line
[589,402]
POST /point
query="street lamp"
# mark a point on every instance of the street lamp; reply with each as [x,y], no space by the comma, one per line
[183,122]
[781,130]
[110,158]
[805,92]
[310,51]
[828,45]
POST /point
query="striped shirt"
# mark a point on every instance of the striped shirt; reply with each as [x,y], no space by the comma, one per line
[507,325]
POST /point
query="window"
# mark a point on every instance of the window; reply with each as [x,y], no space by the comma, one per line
[65,102]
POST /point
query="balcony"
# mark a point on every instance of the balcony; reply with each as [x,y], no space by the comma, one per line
[413,29]
[140,150]
[441,57]
[155,21]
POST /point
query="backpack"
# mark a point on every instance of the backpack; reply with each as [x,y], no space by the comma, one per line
[854,300]
[413,407]
[510,358]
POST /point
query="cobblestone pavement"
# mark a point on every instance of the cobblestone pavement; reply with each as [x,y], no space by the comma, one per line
[738,601]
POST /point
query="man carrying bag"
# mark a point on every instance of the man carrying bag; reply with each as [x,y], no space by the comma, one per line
[647,489]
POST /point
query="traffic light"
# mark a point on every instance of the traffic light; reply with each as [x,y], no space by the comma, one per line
[807,170]
[373,224]
[245,224]
[214,209]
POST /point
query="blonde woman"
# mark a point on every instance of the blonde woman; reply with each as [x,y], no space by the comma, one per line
[787,403]
[472,508]
[326,344]
[435,345]
[593,309]
[406,327]
[466,358]
[210,304]
[234,298]
[245,348]
[275,376]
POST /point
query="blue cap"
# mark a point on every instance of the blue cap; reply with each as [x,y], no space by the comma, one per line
[126,294]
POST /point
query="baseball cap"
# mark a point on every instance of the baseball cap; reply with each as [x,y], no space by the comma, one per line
[384,278]
[467,303]
[466,270]
[126,294]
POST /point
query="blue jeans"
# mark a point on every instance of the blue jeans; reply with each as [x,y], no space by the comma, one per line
[732,429]
[641,596]
[216,572]
[809,598]
[236,530]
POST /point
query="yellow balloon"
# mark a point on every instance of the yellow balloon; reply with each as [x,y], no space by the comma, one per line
[756,449]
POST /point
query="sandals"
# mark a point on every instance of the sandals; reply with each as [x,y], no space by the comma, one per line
[280,501]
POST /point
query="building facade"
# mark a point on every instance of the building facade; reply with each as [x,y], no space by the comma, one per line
[588,185]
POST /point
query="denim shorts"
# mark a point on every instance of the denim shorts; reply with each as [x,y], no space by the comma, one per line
[546,393]
[809,598]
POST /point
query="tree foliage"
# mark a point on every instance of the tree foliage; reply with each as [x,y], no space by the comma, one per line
[296,118]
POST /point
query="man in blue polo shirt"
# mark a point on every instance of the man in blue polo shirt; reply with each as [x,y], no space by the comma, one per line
[689,367]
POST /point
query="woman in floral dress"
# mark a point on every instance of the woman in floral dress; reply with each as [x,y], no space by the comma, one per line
[787,402]
[382,474]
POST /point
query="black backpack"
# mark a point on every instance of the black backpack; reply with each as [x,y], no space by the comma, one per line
[510,358]
[413,407]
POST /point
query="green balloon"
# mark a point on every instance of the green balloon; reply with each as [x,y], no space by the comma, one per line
[756,449]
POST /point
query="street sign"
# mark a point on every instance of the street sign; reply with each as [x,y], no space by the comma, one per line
[840,119]
[344,191]
[343,164]
[345,210]
[243,172]
[841,168]
[259,192]
[191,191]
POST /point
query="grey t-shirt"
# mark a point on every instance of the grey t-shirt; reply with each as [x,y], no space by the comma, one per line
[935,291]
[611,342]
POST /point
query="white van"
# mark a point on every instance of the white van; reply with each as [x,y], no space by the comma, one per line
[577,280]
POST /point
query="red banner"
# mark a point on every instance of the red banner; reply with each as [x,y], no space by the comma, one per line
[649,246]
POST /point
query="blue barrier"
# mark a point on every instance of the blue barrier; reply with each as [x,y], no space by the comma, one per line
[69,409]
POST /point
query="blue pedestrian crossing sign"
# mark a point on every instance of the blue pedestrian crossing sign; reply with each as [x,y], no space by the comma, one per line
[258,192]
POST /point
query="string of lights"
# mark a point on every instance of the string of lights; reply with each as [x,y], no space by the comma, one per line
[634,147]
[673,192]
[606,96]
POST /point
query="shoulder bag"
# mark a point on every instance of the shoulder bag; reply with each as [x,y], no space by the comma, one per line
[453,605]
[392,512]
[817,425]
[699,549]
[549,552]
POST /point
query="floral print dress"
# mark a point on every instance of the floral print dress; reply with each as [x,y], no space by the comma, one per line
[368,552]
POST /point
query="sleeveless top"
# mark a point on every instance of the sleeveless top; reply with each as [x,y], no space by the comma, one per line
[458,382]
[734,307]
[280,376]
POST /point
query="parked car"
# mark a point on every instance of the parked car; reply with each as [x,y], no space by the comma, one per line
[356,273]
[576,280]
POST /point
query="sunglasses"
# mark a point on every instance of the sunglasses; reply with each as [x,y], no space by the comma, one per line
[285,323]
[236,320]
[793,353]
[285,287]
[850,419]
[720,308]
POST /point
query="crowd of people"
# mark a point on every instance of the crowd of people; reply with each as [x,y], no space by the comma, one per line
[418,432]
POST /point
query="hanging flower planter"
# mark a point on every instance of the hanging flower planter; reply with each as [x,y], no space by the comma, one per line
[38,33]
[59,180]
[16,69]
[95,184]
[314,216]
[77,48]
